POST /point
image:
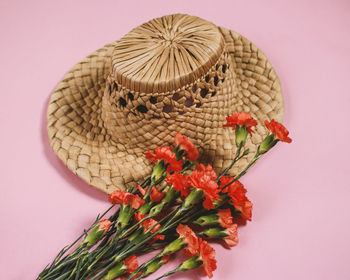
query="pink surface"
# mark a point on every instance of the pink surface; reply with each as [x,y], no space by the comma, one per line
[301,224]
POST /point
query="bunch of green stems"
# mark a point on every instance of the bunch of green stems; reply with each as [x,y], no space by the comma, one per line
[94,262]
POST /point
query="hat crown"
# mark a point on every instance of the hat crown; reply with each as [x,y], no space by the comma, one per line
[166,54]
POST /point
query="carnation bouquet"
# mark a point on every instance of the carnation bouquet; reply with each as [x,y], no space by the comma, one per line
[181,206]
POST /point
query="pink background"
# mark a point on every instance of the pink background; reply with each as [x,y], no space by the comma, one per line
[301,192]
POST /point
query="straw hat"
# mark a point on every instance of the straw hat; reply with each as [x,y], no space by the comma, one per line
[174,73]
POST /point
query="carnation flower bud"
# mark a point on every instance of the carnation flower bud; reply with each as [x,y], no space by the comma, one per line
[241,135]
[170,195]
[221,200]
[173,247]
[191,263]
[210,220]
[155,210]
[155,265]
[124,217]
[136,235]
[157,171]
[204,256]
[128,265]
[228,235]
[116,271]
[267,144]
[214,233]
[221,218]
[193,198]
[97,233]
[145,208]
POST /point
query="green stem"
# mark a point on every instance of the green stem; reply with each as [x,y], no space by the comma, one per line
[154,247]
[63,251]
[66,261]
[135,225]
[129,249]
[183,217]
[115,239]
[129,246]
[168,273]
[97,255]
[61,264]
[180,210]
[147,194]
[76,269]
[195,215]
[63,276]
[138,278]
[256,157]
[145,264]
[236,158]
[103,271]
[160,255]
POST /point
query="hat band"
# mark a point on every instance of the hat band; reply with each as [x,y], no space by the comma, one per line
[129,115]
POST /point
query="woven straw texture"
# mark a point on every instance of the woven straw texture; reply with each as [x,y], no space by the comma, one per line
[174,73]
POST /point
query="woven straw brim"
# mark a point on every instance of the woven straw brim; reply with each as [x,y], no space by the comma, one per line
[79,139]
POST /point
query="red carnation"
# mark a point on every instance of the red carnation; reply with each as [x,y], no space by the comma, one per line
[179,182]
[240,119]
[190,239]
[147,224]
[155,194]
[187,145]
[225,218]
[165,259]
[279,130]
[237,193]
[200,180]
[104,225]
[207,255]
[232,238]
[165,153]
[131,264]
[208,170]
[126,198]
[97,233]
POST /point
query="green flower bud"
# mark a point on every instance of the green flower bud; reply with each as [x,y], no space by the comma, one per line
[115,272]
[158,170]
[214,233]
[210,220]
[155,265]
[155,210]
[241,135]
[139,234]
[193,198]
[145,208]
[170,195]
[267,144]
[173,247]
[220,201]
[124,216]
[97,233]
[191,263]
